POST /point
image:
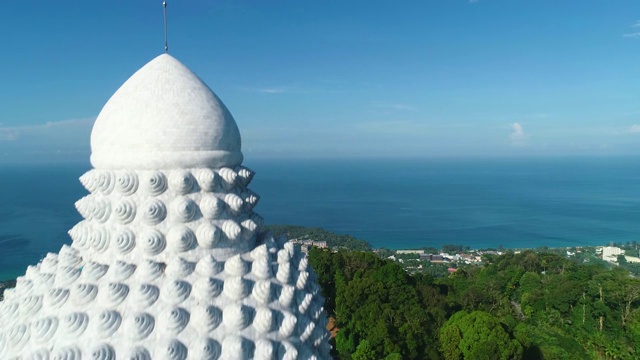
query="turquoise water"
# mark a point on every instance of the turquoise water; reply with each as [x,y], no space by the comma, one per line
[481,203]
[390,203]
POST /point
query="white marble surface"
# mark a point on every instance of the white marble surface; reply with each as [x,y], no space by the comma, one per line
[170,261]
[165,117]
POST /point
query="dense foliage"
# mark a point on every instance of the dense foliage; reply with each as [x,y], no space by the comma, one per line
[477,335]
[529,305]
[380,310]
[6,285]
[318,234]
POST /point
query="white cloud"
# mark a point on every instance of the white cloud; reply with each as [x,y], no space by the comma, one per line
[312,87]
[287,89]
[634,129]
[633,34]
[49,141]
[267,90]
[49,131]
[393,127]
[517,136]
[397,106]
[8,134]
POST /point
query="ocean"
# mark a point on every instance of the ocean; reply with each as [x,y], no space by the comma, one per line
[390,203]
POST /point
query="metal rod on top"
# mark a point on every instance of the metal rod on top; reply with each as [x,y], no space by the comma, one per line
[166,42]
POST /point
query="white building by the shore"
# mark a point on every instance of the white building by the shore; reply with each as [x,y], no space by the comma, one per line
[610,253]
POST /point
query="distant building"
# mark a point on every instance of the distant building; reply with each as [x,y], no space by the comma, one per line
[419,252]
[610,253]
[431,257]
[469,258]
[632,259]
[306,244]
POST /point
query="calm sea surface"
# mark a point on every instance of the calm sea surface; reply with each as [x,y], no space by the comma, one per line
[390,203]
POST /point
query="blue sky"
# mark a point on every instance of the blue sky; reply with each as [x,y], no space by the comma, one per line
[348,78]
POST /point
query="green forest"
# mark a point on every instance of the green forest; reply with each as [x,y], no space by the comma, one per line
[529,305]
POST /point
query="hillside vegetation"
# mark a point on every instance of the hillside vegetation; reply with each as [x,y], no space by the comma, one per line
[517,306]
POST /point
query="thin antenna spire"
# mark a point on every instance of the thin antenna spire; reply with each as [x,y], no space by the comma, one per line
[166,42]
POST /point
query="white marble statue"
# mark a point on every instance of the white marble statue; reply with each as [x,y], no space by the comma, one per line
[169,261]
